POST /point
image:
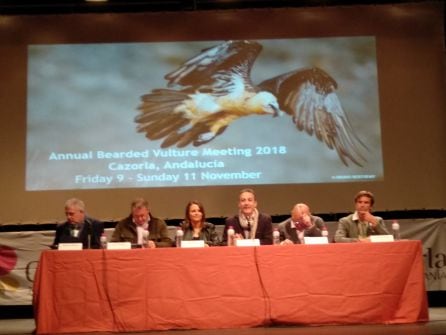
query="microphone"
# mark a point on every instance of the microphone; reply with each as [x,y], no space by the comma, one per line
[247,230]
[89,233]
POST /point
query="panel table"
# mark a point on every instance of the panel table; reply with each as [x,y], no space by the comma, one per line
[229,287]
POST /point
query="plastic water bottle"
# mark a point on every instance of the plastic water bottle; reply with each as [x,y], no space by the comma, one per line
[276,236]
[324,232]
[145,238]
[231,234]
[396,230]
[179,237]
[103,241]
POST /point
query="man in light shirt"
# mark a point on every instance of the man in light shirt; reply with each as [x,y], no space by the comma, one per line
[357,227]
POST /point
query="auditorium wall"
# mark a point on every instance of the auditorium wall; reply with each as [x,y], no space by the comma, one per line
[411,77]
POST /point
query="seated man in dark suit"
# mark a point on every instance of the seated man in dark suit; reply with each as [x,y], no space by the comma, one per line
[78,228]
[301,223]
[249,223]
[141,228]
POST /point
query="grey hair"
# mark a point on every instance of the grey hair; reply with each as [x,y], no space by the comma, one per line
[74,202]
[139,203]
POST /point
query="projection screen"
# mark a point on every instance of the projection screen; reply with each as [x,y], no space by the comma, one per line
[83,99]
[180,106]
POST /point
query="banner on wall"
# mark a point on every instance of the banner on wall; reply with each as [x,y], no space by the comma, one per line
[20,253]
[433,234]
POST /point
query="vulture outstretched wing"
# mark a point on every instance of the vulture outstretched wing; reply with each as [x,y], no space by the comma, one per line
[308,95]
[213,90]
[216,65]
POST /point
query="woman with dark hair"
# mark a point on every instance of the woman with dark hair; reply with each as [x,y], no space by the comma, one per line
[195,226]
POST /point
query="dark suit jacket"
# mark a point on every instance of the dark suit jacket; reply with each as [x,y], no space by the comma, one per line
[264,229]
[125,231]
[208,234]
[91,228]
[286,232]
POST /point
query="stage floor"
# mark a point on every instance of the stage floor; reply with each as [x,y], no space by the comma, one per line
[436,326]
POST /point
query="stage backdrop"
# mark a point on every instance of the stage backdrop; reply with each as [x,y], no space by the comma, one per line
[72,85]
[20,252]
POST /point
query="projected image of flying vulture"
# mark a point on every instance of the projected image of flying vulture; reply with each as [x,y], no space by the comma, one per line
[210,91]
[203,113]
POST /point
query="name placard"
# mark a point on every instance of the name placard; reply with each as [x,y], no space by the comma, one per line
[247,243]
[119,245]
[69,246]
[192,244]
[315,240]
[381,238]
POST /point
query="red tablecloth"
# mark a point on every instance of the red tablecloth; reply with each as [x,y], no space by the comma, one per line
[229,287]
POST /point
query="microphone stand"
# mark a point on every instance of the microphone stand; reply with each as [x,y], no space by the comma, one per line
[89,234]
